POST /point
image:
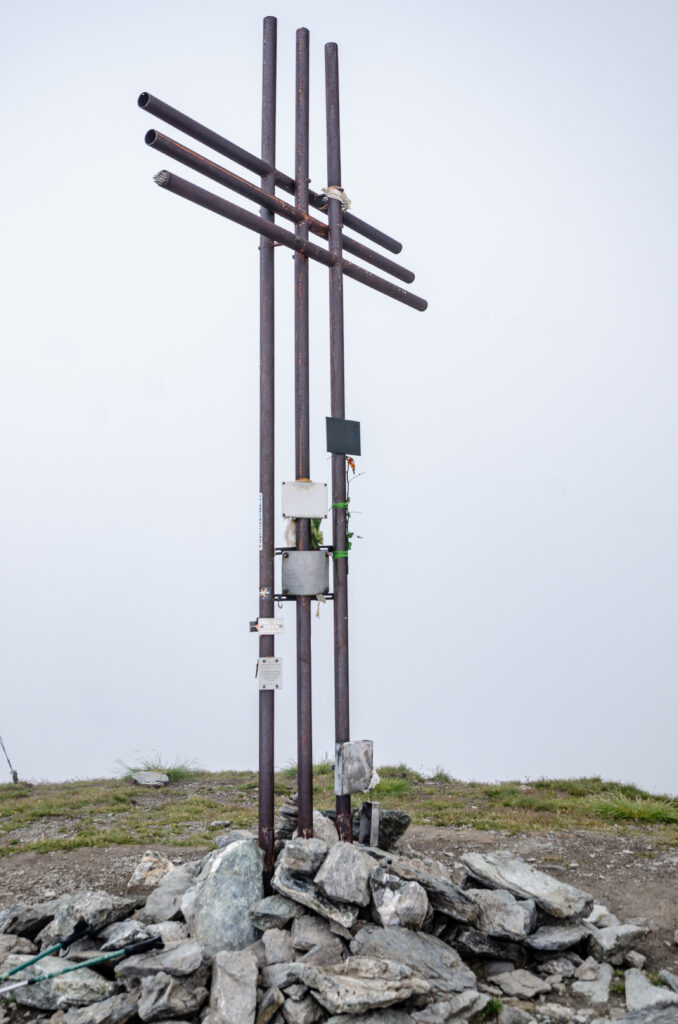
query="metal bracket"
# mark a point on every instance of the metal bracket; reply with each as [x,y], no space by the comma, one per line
[293,597]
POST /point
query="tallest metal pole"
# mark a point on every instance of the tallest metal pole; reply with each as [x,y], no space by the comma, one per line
[302,438]
[337,403]
[266,452]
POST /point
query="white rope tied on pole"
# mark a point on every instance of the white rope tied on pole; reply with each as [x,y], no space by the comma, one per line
[336,192]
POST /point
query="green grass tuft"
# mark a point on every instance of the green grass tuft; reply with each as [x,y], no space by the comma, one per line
[176,771]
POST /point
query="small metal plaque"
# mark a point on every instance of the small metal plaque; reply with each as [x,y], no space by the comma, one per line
[302,499]
[270,627]
[305,573]
[343,436]
[269,673]
[354,768]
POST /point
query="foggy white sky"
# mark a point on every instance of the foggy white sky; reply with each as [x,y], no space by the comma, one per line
[513,599]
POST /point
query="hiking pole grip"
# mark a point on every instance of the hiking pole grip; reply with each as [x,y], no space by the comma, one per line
[142,947]
[81,930]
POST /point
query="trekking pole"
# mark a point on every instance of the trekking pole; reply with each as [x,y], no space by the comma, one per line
[117,954]
[81,930]
[15,775]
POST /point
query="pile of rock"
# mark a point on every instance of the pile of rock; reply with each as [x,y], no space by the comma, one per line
[351,934]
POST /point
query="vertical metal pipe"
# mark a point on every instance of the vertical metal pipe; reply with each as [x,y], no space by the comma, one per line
[266,451]
[302,438]
[340,566]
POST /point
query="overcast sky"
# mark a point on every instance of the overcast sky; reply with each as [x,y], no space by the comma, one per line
[513,596]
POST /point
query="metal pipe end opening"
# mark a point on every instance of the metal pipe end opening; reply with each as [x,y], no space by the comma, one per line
[149,137]
[143,99]
[161,178]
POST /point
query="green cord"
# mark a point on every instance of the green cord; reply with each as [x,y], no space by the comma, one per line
[339,504]
[340,554]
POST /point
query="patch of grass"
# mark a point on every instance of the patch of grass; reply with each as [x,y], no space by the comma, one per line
[618,987]
[490,1011]
[176,771]
[641,808]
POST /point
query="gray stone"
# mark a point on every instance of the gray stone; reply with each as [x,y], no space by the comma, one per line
[641,994]
[635,959]
[389,1016]
[164,996]
[178,961]
[522,984]
[275,912]
[98,908]
[278,946]
[553,938]
[361,983]
[471,942]
[26,919]
[560,965]
[269,1005]
[233,997]
[279,975]
[501,915]
[514,1015]
[431,958]
[151,869]
[234,836]
[396,902]
[309,931]
[121,934]
[344,875]
[303,891]
[302,856]
[612,943]
[325,953]
[666,1015]
[77,988]
[588,970]
[597,991]
[303,1011]
[15,944]
[457,1008]
[170,932]
[296,992]
[221,911]
[115,1010]
[392,825]
[669,979]
[323,828]
[501,870]
[443,894]
[493,967]
[155,780]
[165,902]
[601,917]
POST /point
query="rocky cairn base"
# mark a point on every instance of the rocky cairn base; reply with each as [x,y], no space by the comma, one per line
[351,934]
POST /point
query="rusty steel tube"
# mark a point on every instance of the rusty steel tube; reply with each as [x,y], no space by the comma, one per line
[302,461]
[172,116]
[342,730]
[267,455]
[187,190]
[169,147]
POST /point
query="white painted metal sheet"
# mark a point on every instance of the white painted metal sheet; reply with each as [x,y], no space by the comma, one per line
[270,627]
[303,499]
[269,673]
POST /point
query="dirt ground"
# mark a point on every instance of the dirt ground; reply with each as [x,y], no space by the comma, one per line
[629,873]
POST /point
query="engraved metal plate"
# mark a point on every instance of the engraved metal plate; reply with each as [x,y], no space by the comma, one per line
[302,499]
[269,673]
[270,627]
[354,768]
[305,573]
[343,436]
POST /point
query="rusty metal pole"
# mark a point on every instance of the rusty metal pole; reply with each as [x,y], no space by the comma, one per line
[302,439]
[266,452]
[342,730]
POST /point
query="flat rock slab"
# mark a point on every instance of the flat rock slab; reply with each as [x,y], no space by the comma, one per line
[458,1008]
[502,870]
[641,994]
[522,984]
[96,907]
[669,1015]
[345,874]
[233,997]
[153,779]
[361,983]
[275,912]
[77,988]
[431,958]
[163,996]
[116,1010]
[555,938]
[443,894]
[389,1016]
[303,891]
[178,961]
[501,915]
